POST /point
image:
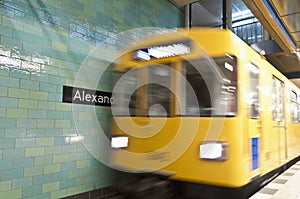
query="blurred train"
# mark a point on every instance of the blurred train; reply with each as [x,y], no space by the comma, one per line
[202,109]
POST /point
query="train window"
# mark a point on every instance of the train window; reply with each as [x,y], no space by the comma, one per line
[210,92]
[253,92]
[125,93]
[144,91]
[159,95]
[294,112]
[298,108]
[274,91]
[277,100]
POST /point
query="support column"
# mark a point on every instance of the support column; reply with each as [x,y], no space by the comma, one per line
[227,14]
[188,15]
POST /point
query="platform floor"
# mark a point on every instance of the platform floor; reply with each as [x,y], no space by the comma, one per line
[284,186]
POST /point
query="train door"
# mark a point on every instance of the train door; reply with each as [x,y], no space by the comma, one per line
[254,118]
[278,119]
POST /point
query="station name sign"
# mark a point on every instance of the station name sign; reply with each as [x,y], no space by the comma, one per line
[86,96]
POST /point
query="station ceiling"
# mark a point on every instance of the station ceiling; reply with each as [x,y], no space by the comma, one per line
[281,18]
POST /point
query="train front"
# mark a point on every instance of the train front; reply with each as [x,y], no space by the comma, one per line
[175,112]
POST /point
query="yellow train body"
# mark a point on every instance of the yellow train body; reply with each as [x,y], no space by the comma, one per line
[268,140]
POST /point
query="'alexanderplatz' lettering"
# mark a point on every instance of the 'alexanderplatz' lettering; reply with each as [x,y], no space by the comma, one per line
[87,96]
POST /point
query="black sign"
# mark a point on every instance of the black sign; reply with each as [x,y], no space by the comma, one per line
[86,96]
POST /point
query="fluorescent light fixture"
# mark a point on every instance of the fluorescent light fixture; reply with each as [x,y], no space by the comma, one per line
[119,142]
[74,139]
[213,150]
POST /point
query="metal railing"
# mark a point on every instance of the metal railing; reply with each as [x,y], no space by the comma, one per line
[250,33]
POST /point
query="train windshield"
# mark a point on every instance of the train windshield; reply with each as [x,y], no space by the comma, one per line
[187,88]
[207,91]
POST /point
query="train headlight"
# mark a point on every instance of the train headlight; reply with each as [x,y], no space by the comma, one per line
[119,142]
[214,151]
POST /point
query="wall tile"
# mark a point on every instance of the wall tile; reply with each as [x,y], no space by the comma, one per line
[5,185]
[9,82]
[25,142]
[15,132]
[38,95]
[42,179]
[8,102]
[26,103]
[31,191]
[6,31]
[55,97]
[53,168]
[4,70]
[42,47]
[33,171]
[46,105]
[59,158]
[21,35]
[62,123]
[48,141]
[55,114]
[43,160]
[27,84]
[18,93]
[13,153]
[68,148]
[3,91]
[33,113]
[20,54]
[40,77]
[52,150]
[17,113]
[58,194]
[12,194]
[31,47]
[5,51]
[57,132]
[38,58]
[42,41]
[59,46]
[59,63]
[7,122]
[11,42]
[22,182]
[63,107]
[65,184]
[34,151]
[60,176]
[23,162]
[17,73]
[10,174]
[45,123]
[53,186]
[6,164]
[68,166]
[48,87]
[26,123]
[2,134]
[42,196]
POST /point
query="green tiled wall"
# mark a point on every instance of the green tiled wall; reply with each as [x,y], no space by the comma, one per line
[42,45]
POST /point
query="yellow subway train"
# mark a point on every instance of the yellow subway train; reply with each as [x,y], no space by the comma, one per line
[202,109]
